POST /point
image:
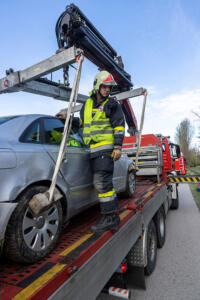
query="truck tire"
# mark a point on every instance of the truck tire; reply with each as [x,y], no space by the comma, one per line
[29,238]
[130,186]
[175,202]
[151,248]
[159,220]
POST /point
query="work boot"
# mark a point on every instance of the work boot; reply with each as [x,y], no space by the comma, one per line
[106,222]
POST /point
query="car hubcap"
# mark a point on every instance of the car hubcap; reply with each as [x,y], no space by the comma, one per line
[39,232]
[39,222]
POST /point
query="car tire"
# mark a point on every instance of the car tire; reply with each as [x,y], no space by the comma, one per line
[130,186]
[160,227]
[175,202]
[29,238]
[151,248]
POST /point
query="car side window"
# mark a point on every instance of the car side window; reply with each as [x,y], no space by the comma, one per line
[53,129]
[33,133]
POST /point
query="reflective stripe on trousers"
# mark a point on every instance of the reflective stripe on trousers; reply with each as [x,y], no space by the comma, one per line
[108,196]
[103,167]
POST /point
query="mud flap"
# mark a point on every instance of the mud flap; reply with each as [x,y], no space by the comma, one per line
[135,278]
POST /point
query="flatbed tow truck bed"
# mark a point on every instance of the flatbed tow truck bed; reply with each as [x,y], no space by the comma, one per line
[82,262]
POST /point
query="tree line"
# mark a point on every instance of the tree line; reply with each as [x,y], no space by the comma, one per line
[184,134]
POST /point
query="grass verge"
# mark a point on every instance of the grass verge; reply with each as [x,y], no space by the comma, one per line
[196,195]
[193,186]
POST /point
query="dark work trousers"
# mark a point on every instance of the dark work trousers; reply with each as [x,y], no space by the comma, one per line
[103,167]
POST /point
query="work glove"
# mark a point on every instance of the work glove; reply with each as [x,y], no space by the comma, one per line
[116,154]
[61,116]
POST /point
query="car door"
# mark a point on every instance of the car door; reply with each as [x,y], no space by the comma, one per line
[75,167]
[33,163]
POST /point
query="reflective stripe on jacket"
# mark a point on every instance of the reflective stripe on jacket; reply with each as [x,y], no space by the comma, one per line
[97,130]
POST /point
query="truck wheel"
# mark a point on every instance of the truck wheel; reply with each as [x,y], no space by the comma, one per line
[160,227]
[175,202]
[151,248]
[29,238]
[130,186]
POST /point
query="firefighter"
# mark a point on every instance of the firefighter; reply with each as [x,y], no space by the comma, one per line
[103,124]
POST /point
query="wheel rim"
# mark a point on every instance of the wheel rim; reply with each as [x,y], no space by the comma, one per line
[40,231]
[162,225]
[131,183]
[152,246]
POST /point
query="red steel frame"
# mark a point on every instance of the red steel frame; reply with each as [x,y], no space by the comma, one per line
[76,246]
[169,164]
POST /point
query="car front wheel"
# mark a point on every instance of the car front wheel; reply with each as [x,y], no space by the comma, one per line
[28,237]
[130,186]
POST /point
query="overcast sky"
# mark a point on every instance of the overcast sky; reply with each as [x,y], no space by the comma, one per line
[158,40]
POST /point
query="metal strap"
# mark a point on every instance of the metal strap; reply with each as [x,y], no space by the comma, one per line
[66,131]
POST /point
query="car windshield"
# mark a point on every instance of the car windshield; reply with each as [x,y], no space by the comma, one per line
[6,119]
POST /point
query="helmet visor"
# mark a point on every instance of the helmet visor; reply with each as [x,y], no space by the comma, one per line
[109,83]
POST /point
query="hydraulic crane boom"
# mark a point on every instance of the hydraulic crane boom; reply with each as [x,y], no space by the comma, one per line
[74,29]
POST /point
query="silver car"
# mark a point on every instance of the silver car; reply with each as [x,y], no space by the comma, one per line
[28,154]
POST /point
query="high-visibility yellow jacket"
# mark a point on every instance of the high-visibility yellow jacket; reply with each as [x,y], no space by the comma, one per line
[103,124]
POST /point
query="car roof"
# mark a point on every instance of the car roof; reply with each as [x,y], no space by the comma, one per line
[26,115]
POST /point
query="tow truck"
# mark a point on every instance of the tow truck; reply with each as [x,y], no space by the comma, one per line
[84,264]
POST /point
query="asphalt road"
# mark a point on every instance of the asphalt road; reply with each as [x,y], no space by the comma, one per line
[177,273]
